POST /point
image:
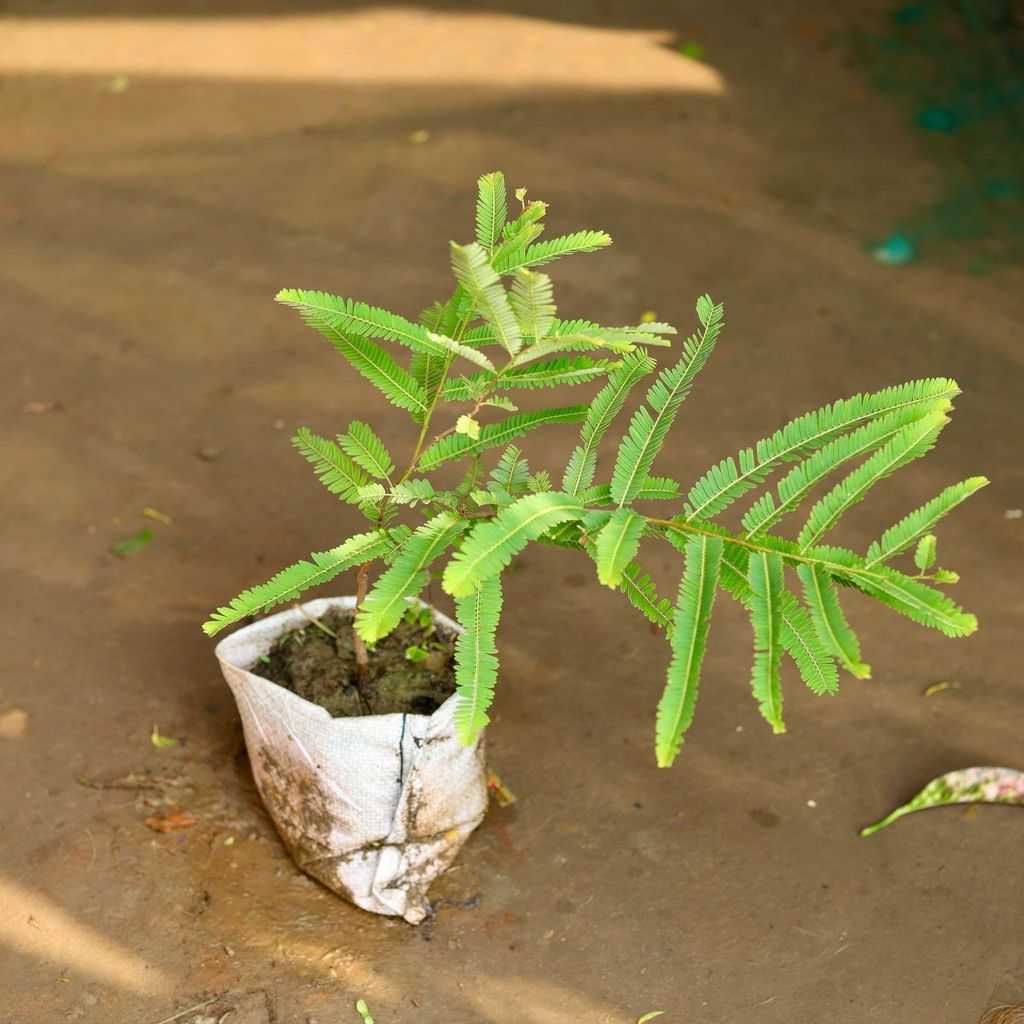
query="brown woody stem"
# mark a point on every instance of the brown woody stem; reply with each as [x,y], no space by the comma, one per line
[358,644]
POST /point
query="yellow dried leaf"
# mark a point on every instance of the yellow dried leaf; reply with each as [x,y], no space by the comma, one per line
[161,741]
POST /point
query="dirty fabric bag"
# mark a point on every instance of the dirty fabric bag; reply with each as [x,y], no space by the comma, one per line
[374,807]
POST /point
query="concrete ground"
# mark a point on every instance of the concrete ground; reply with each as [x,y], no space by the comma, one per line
[164,169]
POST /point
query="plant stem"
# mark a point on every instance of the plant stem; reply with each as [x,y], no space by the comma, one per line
[839,568]
[358,643]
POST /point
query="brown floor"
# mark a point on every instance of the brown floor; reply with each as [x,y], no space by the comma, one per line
[144,234]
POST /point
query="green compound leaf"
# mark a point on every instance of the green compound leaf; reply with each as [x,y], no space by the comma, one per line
[912,442]
[924,556]
[691,623]
[544,252]
[829,622]
[732,478]
[476,658]
[648,428]
[607,404]
[491,209]
[765,581]
[493,544]
[486,295]
[899,537]
[388,599]
[367,450]
[336,470]
[291,582]
[616,544]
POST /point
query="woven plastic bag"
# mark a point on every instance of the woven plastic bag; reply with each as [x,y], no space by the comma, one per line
[374,807]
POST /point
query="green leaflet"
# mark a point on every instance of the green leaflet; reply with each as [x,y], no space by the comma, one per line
[457,446]
[415,492]
[801,642]
[616,544]
[386,602]
[532,300]
[366,449]
[544,252]
[485,293]
[639,590]
[555,343]
[908,596]
[532,212]
[805,476]
[369,359]
[429,369]
[493,544]
[691,623]
[512,471]
[607,404]
[549,374]
[554,372]
[647,432]
[727,481]
[829,621]
[910,443]
[476,658]
[899,537]
[766,584]
[491,209]
[799,639]
[654,488]
[539,481]
[332,315]
[915,600]
[466,351]
[924,556]
[658,488]
[337,472]
[291,582]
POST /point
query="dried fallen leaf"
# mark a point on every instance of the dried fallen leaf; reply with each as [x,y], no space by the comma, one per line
[160,517]
[419,136]
[12,725]
[966,786]
[1004,1015]
[171,822]
[500,791]
[136,542]
[39,408]
[161,741]
[935,688]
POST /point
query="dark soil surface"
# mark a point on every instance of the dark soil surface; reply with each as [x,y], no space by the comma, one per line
[165,168]
[321,668]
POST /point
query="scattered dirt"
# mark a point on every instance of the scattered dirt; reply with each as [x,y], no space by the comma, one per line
[321,668]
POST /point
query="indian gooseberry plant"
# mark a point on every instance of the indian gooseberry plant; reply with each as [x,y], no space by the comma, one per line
[468,355]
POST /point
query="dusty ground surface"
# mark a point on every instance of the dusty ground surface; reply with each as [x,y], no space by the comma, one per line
[145,228]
